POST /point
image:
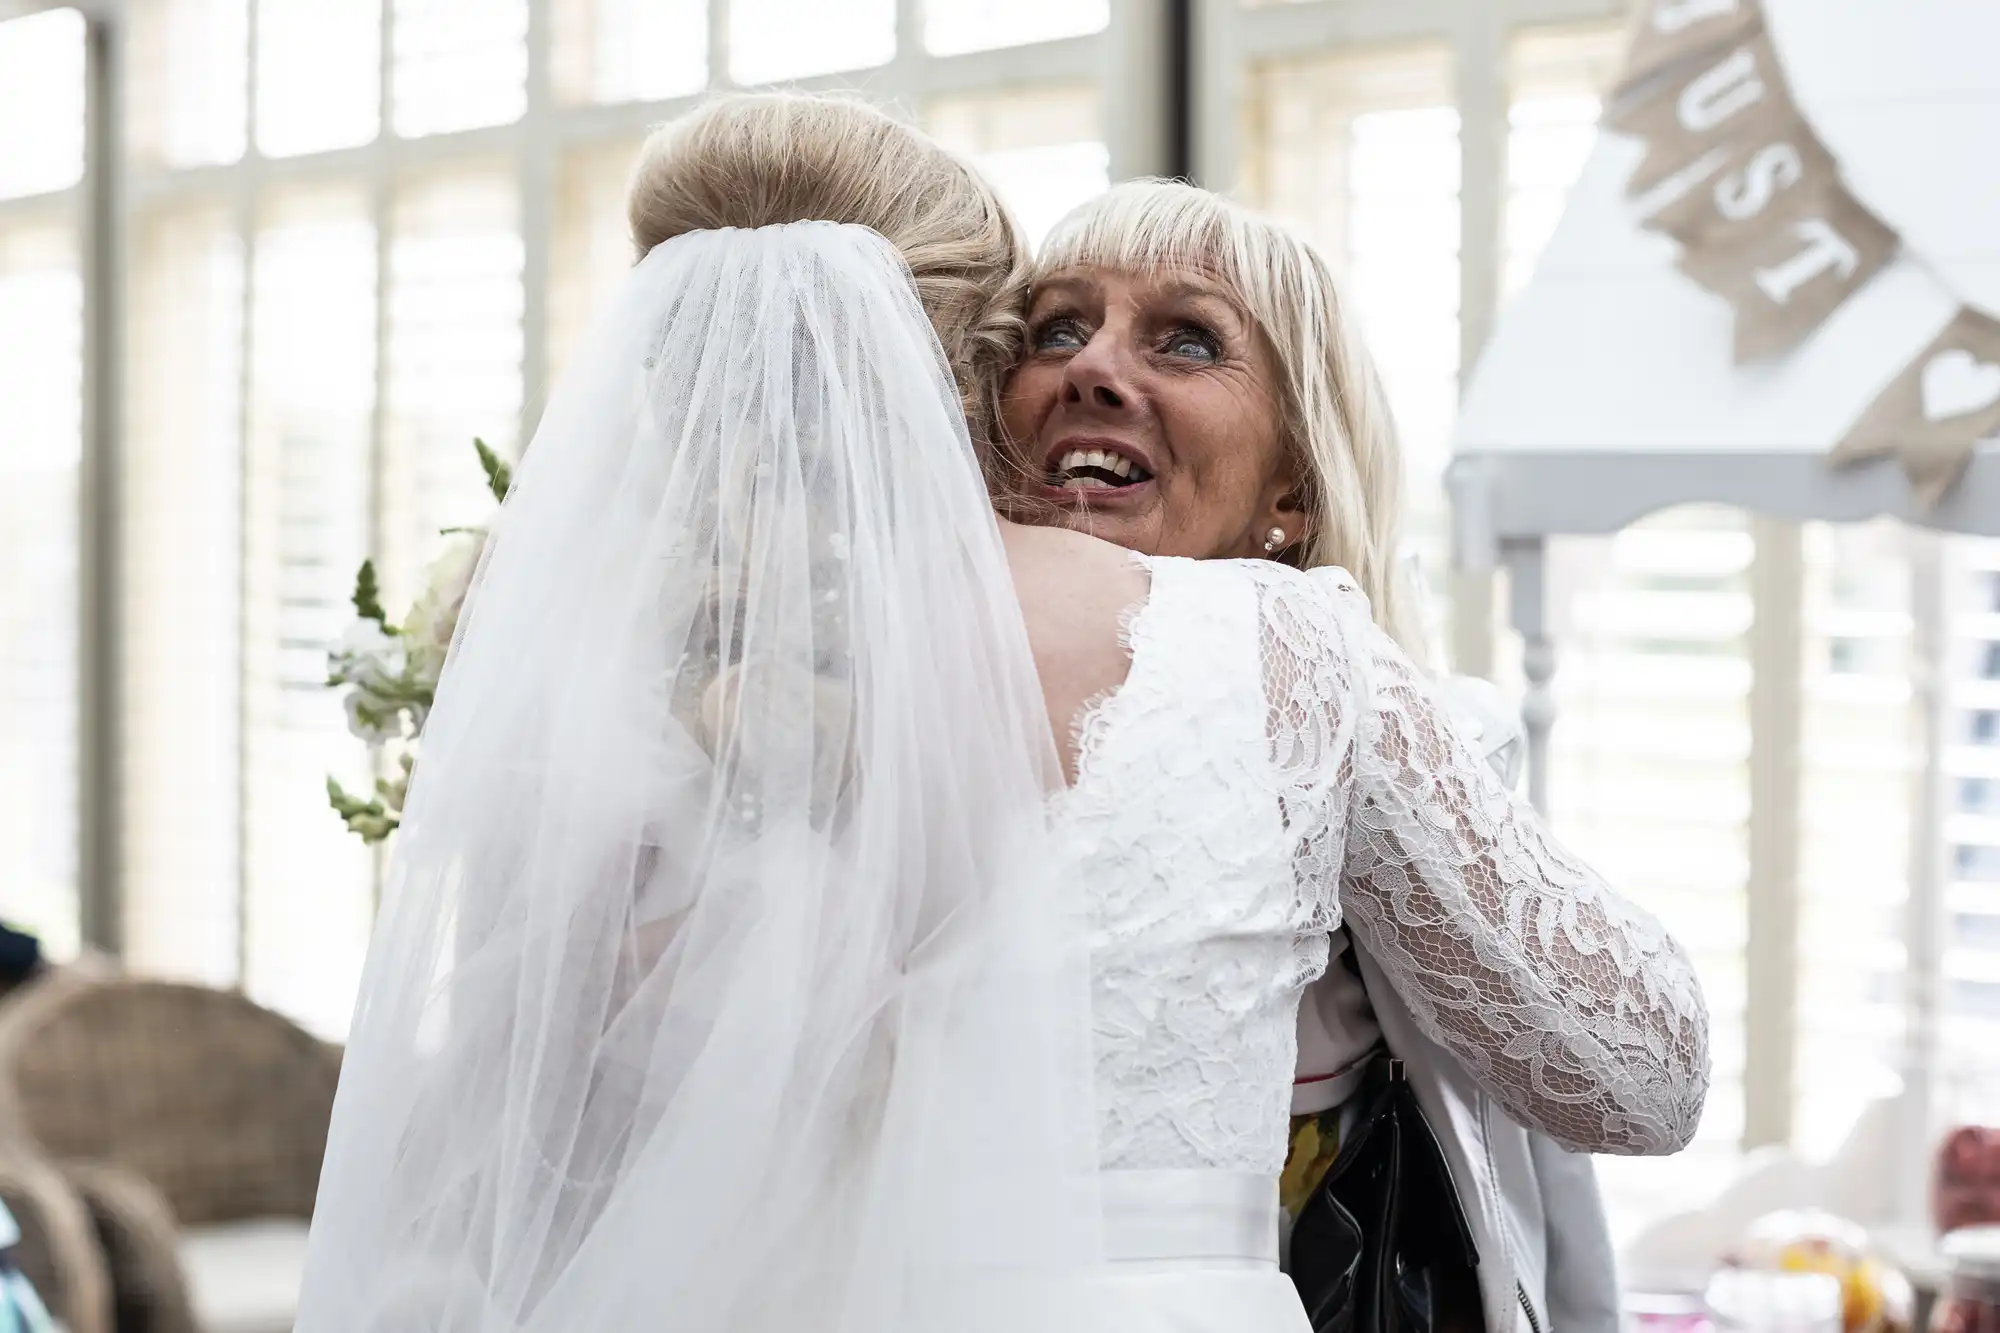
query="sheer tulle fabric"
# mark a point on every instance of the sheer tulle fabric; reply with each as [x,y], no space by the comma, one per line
[722,982]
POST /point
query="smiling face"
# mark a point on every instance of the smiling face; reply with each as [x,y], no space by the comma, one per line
[1147,408]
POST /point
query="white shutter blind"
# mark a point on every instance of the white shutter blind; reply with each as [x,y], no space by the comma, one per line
[307,883]
[41,370]
[1970,1076]
[454,363]
[189,96]
[591,248]
[458,64]
[182,587]
[41,438]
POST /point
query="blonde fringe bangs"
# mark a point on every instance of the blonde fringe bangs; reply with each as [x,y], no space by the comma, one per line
[1338,421]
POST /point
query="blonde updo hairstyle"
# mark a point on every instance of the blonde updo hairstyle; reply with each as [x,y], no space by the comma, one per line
[1335,418]
[759,159]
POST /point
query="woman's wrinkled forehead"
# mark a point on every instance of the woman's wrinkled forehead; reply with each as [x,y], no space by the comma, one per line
[1162,282]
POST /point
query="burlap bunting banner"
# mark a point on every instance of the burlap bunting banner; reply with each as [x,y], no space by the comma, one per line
[1734,173]
[1933,413]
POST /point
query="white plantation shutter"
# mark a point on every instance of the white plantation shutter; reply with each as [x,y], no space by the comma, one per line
[41,368]
[458,64]
[41,439]
[1650,779]
[1858,762]
[182,582]
[1969,1072]
[454,364]
[630,50]
[591,248]
[308,886]
[188,102]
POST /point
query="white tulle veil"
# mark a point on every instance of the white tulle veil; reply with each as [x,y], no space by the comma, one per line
[721,982]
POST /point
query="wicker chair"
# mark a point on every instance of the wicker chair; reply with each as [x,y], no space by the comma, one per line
[191,1122]
[59,1251]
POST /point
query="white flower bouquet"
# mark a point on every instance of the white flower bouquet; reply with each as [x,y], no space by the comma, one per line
[390,671]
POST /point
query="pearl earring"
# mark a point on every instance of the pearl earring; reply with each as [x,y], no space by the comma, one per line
[1273,540]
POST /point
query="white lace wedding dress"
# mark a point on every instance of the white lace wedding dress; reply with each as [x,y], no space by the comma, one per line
[1272,768]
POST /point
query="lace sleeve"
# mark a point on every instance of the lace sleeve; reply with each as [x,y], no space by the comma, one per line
[1570,1005]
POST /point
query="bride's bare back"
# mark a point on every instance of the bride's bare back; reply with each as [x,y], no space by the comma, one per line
[1076,592]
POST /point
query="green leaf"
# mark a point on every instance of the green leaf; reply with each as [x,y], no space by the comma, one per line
[499,476]
[368,597]
[368,820]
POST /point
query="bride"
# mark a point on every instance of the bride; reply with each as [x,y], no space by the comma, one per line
[823,906]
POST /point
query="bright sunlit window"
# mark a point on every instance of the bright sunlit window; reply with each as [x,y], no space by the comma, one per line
[307,884]
[459,64]
[774,40]
[1361,153]
[454,362]
[187,106]
[41,103]
[1043,151]
[318,75]
[631,50]
[954,27]
[41,367]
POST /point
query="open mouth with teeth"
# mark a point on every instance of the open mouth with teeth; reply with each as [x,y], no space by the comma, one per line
[1096,470]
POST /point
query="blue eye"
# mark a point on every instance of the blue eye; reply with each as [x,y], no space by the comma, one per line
[1194,345]
[1059,335]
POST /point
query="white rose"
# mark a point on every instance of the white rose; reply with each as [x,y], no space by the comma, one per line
[369,658]
[372,718]
[428,629]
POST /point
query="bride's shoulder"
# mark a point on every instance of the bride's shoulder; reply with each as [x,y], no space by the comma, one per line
[1078,570]
[1328,586]
[1077,594]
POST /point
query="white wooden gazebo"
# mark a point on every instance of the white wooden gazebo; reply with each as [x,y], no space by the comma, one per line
[1608,392]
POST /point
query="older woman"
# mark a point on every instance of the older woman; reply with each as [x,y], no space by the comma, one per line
[1193,387]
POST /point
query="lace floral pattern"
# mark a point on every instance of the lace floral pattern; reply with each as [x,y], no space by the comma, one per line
[1271,761]
[1572,1006]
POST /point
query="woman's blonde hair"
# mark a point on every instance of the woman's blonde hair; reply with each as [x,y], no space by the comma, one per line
[1336,419]
[758,159]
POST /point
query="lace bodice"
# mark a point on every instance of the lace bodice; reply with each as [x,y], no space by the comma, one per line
[1272,766]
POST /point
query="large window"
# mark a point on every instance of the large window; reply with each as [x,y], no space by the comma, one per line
[1361,153]
[41,439]
[357,236]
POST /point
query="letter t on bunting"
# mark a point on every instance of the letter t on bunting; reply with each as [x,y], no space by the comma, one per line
[1782,283]
[1936,411]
